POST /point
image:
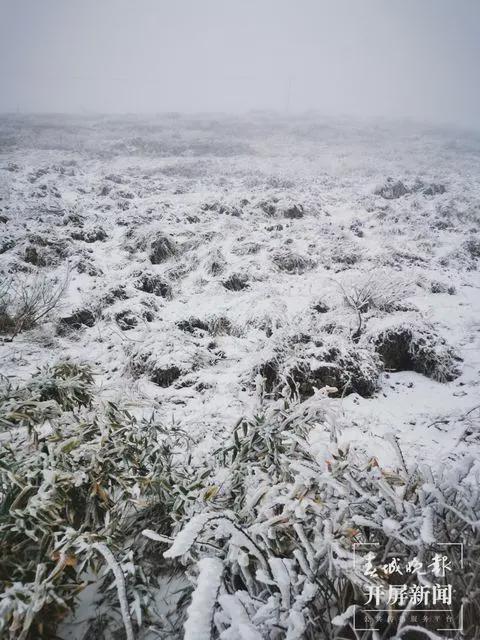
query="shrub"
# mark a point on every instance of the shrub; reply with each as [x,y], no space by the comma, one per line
[164,360]
[441,287]
[93,234]
[61,387]
[472,247]
[153,283]
[161,249]
[292,263]
[320,306]
[6,244]
[283,535]
[215,325]
[32,256]
[216,263]
[67,383]
[379,289]
[24,303]
[236,282]
[331,363]
[46,250]
[267,532]
[409,346]
[392,190]
[77,320]
[192,324]
[68,499]
[126,320]
[294,212]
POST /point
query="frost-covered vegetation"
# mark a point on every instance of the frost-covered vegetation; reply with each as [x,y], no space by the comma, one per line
[232,352]
[265,533]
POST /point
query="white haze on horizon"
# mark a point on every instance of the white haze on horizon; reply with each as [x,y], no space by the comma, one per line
[415,59]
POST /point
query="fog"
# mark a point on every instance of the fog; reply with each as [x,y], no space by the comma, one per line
[392,58]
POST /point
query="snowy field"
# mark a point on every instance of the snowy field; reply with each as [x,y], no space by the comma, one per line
[208,266]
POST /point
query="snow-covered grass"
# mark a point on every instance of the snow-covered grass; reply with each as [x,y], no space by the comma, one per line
[293,298]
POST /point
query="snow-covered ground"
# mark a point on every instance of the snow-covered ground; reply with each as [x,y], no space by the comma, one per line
[233,197]
[207,256]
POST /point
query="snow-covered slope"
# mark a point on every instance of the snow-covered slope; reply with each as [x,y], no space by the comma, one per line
[210,268]
[199,250]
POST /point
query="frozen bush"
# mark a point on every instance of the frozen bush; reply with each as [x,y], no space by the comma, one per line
[247,248]
[347,371]
[344,254]
[68,383]
[434,189]
[410,346]
[292,538]
[292,263]
[285,206]
[163,372]
[441,287]
[215,325]
[26,302]
[77,320]
[312,365]
[294,212]
[114,294]
[472,246]
[161,249]
[428,189]
[192,324]
[165,358]
[269,534]
[220,326]
[379,289]
[153,283]
[216,263]
[93,234]
[32,256]
[6,244]
[63,386]
[222,208]
[71,491]
[236,282]
[126,320]
[321,307]
[42,250]
[392,190]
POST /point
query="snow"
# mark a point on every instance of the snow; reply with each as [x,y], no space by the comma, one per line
[120,584]
[200,611]
[343,618]
[426,531]
[188,535]
[208,184]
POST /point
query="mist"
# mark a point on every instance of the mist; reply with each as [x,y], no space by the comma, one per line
[375,58]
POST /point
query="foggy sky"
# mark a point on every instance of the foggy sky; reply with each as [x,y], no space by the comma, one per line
[393,58]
